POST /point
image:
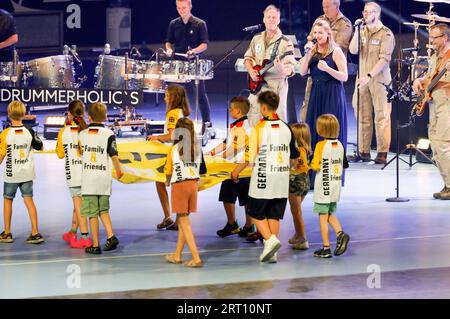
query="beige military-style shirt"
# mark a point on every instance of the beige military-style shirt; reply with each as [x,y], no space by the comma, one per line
[341,28]
[259,50]
[375,46]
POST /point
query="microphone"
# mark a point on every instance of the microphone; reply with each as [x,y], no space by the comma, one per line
[107,49]
[359,22]
[252,28]
[314,41]
[411,49]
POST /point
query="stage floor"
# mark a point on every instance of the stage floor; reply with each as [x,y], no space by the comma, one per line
[406,242]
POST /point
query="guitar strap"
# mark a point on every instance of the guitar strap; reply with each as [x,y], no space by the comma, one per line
[275,49]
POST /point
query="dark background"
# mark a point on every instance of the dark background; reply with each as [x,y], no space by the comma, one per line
[225,18]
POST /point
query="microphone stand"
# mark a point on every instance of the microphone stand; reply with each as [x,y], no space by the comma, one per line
[225,59]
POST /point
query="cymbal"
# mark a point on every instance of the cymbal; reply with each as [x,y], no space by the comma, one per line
[430,17]
[417,23]
[435,1]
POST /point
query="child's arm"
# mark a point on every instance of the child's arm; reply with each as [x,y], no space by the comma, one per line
[219,148]
[117,166]
[162,138]
[36,142]
[316,162]
[114,154]
[237,170]
[59,145]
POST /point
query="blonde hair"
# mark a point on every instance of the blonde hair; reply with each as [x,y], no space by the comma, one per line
[302,136]
[327,126]
[331,43]
[97,112]
[271,7]
[186,141]
[241,103]
[16,110]
[178,99]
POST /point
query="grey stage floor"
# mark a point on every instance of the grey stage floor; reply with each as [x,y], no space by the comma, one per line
[397,250]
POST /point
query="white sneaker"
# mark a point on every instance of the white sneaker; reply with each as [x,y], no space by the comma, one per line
[301,245]
[273,259]
[271,246]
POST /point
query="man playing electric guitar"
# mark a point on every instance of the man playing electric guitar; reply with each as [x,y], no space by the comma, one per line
[439,127]
[270,45]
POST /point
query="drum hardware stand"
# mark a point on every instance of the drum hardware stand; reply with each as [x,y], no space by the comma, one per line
[226,59]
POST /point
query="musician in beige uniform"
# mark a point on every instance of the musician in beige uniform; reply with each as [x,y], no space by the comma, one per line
[261,48]
[377,44]
[439,127]
[341,28]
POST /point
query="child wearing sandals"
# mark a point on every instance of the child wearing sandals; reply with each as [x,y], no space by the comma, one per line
[329,161]
[184,165]
[177,107]
[299,184]
[67,149]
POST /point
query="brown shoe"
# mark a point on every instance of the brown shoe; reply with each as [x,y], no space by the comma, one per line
[381,158]
[438,195]
[365,157]
[192,264]
[445,195]
[171,259]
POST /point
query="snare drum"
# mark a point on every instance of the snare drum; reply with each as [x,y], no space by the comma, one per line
[10,77]
[110,73]
[150,72]
[51,72]
[176,71]
[203,71]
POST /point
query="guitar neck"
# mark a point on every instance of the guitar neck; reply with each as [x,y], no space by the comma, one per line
[435,81]
[271,63]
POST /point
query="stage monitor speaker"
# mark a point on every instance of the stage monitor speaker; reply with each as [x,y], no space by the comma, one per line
[39,30]
[409,135]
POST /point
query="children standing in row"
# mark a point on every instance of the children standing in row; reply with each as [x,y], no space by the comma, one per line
[233,149]
[177,107]
[67,148]
[99,153]
[16,144]
[329,161]
[183,168]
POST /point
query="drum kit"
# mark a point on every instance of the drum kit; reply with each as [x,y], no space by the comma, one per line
[418,65]
[112,73]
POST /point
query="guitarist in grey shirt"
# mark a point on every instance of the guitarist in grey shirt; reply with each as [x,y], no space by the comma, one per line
[439,127]
[270,45]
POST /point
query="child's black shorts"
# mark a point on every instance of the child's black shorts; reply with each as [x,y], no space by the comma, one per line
[261,208]
[231,191]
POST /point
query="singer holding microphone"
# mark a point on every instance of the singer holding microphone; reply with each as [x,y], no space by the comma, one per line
[377,45]
[188,34]
[270,45]
[342,30]
[8,36]
[327,65]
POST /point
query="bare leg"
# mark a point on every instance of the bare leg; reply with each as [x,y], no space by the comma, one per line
[248,219]
[230,210]
[93,221]
[163,198]
[296,209]
[7,214]
[323,218]
[274,226]
[32,212]
[335,224]
[263,228]
[185,225]
[180,244]
[82,222]
[106,221]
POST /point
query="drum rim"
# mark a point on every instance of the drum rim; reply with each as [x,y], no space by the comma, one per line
[51,58]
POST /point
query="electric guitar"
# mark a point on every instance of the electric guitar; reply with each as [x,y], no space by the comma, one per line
[255,86]
[429,84]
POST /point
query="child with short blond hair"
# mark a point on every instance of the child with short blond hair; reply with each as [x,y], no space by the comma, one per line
[16,144]
[329,161]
